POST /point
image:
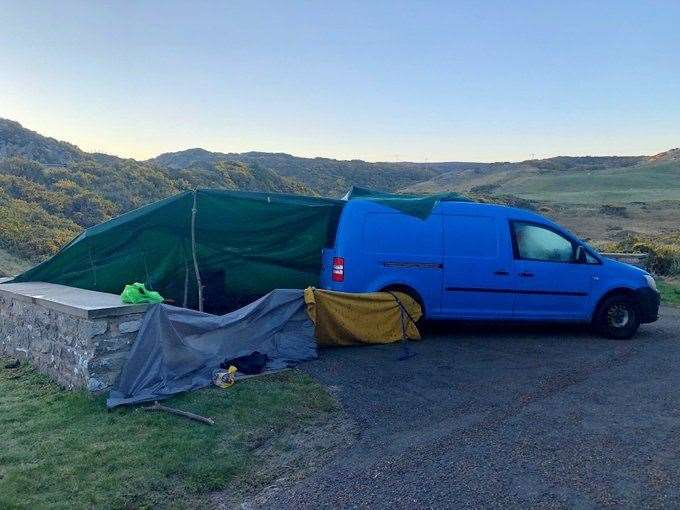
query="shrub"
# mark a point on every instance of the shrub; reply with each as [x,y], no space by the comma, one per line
[664,253]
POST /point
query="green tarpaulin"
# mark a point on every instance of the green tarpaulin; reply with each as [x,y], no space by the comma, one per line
[246,244]
[419,206]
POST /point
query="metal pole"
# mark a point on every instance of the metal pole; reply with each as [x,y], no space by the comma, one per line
[193,254]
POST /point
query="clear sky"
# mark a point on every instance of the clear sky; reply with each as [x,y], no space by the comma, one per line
[420,81]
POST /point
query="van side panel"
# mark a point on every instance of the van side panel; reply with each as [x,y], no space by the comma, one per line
[478,266]
[403,250]
[383,247]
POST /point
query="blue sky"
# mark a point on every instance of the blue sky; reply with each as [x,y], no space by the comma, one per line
[419,81]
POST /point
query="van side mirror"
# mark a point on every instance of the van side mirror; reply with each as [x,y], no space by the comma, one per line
[581,255]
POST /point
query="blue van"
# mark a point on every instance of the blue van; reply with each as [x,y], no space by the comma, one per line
[474,261]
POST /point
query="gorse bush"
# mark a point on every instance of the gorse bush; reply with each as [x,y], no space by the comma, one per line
[44,207]
[664,253]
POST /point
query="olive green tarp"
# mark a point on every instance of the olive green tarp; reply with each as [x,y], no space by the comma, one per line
[419,206]
[246,244]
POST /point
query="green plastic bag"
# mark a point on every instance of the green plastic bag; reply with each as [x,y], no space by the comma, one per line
[138,293]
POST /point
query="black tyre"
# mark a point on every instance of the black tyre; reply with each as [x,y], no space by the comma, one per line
[414,295]
[617,317]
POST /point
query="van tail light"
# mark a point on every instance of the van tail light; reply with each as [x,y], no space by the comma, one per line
[338,274]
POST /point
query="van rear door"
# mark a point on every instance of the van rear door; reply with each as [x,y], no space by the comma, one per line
[477,268]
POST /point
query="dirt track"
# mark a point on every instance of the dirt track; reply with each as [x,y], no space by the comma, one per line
[505,417]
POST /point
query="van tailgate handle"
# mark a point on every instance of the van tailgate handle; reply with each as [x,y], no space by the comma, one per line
[526,275]
[500,272]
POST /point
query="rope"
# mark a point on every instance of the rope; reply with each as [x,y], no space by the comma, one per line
[406,350]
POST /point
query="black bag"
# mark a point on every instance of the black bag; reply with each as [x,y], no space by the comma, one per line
[251,364]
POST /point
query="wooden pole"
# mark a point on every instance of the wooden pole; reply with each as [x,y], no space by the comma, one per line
[186,278]
[197,417]
[199,283]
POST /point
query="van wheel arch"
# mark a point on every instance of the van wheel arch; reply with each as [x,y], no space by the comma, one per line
[622,299]
[620,291]
[410,291]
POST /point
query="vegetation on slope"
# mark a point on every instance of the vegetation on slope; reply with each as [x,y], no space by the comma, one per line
[15,140]
[11,264]
[663,250]
[43,207]
[328,177]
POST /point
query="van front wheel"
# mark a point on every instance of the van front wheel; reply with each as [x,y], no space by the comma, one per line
[617,317]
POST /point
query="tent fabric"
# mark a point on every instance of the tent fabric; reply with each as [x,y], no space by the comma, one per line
[177,349]
[341,318]
[246,244]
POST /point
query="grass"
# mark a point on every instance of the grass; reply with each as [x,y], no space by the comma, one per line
[645,183]
[670,291]
[11,265]
[61,449]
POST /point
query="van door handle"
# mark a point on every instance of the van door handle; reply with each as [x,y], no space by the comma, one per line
[526,275]
[501,273]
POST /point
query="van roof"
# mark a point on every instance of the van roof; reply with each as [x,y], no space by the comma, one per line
[354,207]
[358,206]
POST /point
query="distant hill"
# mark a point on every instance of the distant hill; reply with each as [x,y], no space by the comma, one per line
[15,140]
[328,177]
[566,179]
[333,177]
[671,155]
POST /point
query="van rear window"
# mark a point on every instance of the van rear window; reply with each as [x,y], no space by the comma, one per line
[470,236]
[403,234]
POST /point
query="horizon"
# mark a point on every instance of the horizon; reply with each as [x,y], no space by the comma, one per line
[217,151]
[386,82]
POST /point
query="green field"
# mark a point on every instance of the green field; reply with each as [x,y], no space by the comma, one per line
[645,183]
[63,449]
[670,291]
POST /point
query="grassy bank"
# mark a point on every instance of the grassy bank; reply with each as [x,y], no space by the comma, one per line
[670,291]
[64,450]
[11,265]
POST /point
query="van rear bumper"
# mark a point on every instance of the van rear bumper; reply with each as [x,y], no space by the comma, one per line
[648,302]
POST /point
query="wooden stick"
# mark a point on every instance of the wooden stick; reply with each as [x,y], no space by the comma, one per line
[158,407]
[193,253]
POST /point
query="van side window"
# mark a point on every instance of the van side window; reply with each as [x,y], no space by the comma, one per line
[533,242]
[470,236]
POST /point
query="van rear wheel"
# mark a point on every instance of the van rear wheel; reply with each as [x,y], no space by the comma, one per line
[412,294]
[617,317]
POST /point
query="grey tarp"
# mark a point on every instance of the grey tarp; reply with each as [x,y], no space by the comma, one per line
[178,349]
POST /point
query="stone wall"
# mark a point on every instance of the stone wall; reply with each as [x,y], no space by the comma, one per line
[79,347]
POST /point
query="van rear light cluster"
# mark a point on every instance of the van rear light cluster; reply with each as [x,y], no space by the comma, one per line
[338,274]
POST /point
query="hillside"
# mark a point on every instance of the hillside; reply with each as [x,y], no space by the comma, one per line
[15,140]
[328,177]
[618,180]
[50,190]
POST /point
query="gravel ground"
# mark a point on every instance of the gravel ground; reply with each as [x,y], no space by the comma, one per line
[504,417]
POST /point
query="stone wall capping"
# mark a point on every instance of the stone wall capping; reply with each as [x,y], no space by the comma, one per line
[82,303]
